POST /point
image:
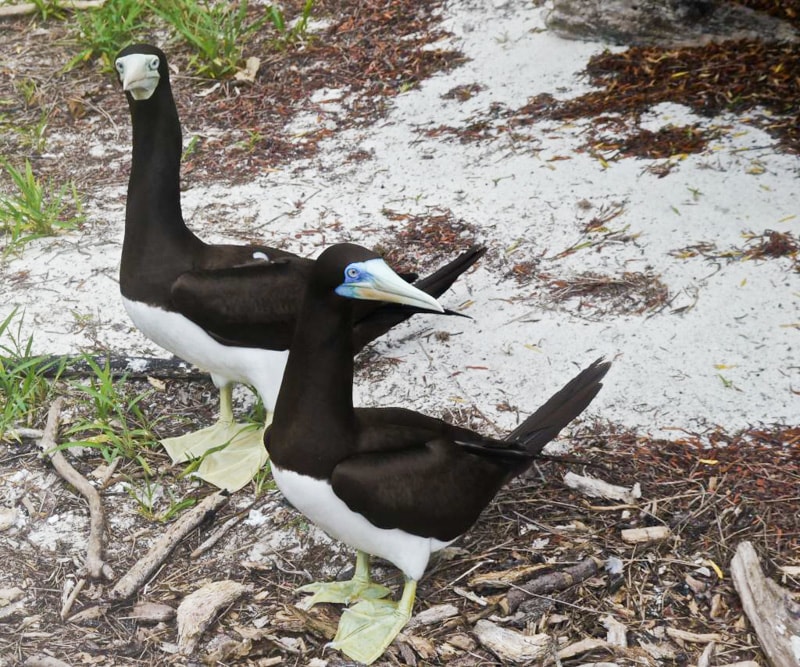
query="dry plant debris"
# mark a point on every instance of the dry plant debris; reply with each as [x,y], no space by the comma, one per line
[770,244]
[788,10]
[543,559]
[632,293]
[734,76]
[666,142]
[368,51]
[674,598]
[435,235]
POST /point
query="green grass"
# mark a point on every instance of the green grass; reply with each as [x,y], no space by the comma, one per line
[148,497]
[298,32]
[28,89]
[103,32]
[217,32]
[263,481]
[105,417]
[34,137]
[47,9]
[35,209]
[117,426]
[24,388]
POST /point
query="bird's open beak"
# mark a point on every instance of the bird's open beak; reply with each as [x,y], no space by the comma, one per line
[378,282]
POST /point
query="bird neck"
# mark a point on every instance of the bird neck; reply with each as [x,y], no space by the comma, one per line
[314,420]
[157,245]
[153,211]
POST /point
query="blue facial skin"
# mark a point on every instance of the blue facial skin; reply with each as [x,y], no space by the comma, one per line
[356,275]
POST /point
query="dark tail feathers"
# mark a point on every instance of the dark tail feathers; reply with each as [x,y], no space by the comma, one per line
[562,407]
[372,321]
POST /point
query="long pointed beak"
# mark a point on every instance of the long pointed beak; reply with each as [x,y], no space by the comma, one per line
[380,283]
[137,75]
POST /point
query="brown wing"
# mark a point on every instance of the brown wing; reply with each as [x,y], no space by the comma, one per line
[253,305]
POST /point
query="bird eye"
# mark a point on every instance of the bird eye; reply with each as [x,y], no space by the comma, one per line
[351,272]
[154,63]
[120,66]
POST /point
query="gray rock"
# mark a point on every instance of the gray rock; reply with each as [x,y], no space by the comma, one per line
[663,22]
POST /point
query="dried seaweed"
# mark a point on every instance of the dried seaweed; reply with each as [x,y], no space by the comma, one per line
[741,76]
[769,244]
[435,235]
[632,293]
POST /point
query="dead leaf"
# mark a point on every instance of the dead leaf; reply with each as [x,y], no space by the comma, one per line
[248,74]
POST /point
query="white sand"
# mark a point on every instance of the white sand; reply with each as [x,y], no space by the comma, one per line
[741,324]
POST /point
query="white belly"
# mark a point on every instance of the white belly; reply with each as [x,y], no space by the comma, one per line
[262,369]
[315,498]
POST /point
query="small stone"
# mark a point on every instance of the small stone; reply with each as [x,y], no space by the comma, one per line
[9,595]
[8,518]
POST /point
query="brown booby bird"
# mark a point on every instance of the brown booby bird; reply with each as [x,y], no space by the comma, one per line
[387,481]
[228,309]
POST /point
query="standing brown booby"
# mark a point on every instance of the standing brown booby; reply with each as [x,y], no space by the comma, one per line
[227,309]
[387,481]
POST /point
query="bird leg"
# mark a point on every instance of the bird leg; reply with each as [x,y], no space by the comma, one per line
[229,453]
[360,587]
[367,628]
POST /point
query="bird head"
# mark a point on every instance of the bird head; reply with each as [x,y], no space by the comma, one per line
[140,67]
[357,273]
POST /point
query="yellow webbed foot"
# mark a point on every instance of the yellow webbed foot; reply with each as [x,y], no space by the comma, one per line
[231,453]
[360,587]
[342,592]
[368,628]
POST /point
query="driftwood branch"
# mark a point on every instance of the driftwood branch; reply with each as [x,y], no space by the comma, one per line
[160,551]
[554,581]
[199,609]
[645,534]
[597,488]
[770,609]
[96,568]
[31,7]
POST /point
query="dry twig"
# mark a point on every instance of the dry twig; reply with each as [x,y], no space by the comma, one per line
[218,534]
[597,488]
[69,598]
[96,568]
[160,551]
[554,581]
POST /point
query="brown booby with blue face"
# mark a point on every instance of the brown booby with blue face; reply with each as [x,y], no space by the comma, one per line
[225,308]
[388,481]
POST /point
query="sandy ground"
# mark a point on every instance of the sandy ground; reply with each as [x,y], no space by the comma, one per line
[718,350]
[721,352]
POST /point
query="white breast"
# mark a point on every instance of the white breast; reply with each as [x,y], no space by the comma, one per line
[315,498]
[262,369]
